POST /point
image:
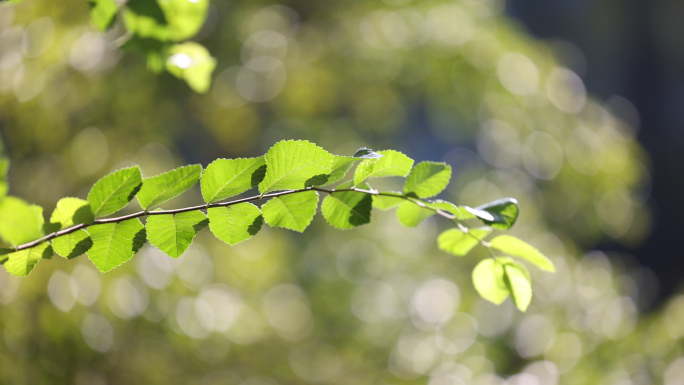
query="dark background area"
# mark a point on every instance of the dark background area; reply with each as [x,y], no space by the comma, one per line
[635,50]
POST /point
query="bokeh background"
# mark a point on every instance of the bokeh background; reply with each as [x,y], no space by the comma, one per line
[457,81]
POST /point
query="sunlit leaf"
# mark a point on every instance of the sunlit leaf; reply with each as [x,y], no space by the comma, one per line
[518,282]
[347,209]
[458,243]
[225,178]
[173,233]
[504,212]
[115,243]
[103,13]
[193,63]
[70,211]
[386,202]
[294,165]
[169,20]
[518,248]
[161,188]
[410,214]
[113,192]
[294,212]
[461,213]
[427,179]
[236,223]
[19,221]
[21,263]
[392,163]
[73,244]
[488,279]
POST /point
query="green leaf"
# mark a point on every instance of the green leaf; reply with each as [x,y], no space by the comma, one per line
[225,178]
[73,244]
[461,213]
[427,179]
[366,153]
[169,20]
[293,165]
[193,63]
[347,209]
[4,186]
[4,255]
[173,233]
[71,211]
[458,243]
[340,167]
[235,223]
[294,212]
[503,213]
[115,243]
[392,163]
[21,263]
[19,221]
[518,248]
[488,279]
[113,192]
[410,214]
[386,202]
[518,282]
[161,188]
[102,13]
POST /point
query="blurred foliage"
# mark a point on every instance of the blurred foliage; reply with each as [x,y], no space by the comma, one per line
[432,78]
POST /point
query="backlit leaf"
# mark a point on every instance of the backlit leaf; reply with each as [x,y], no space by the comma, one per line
[236,223]
[386,202]
[295,165]
[427,179]
[19,221]
[225,178]
[102,13]
[115,243]
[410,214]
[169,20]
[458,243]
[518,282]
[173,233]
[392,163]
[294,212]
[347,209]
[70,211]
[161,188]
[518,248]
[193,63]
[488,279]
[21,263]
[504,212]
[73,244]
[113,192]
[461,213]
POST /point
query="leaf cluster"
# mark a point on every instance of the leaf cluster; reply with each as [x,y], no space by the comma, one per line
[289,179]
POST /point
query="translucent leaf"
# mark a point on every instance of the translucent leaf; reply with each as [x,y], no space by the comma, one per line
[518,248]
[504,212]
[392,163]
[294,212]
[115,243]
[161,188]
[173,233]
[386,202]
[410,214]
[19,221]
[340,166]
[169,20]
[193,63]
[295,165]
[225,178]
[347,209]
[70,211]
[236,223]
[73,244]
[461,213]
[518,282]
[488,279]
[113,192]
[102,13]
[21,263]
[458,243]
[427,179]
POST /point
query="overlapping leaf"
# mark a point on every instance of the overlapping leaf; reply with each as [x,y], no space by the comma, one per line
[173,233]
[70,211]
[115,243]
[225,178]
[392,163]
[113,192]
[500,214]
[294,212]
[458,243]
[518,248]
[342,164]
[21,263]
[410,214]
[488,279]
[102,13]
[20,222]
[517,280]
[294,165]
[461,213]
[347,209]
[170,20]
[427,179]
[236,223]
[161,188]
[73,244]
